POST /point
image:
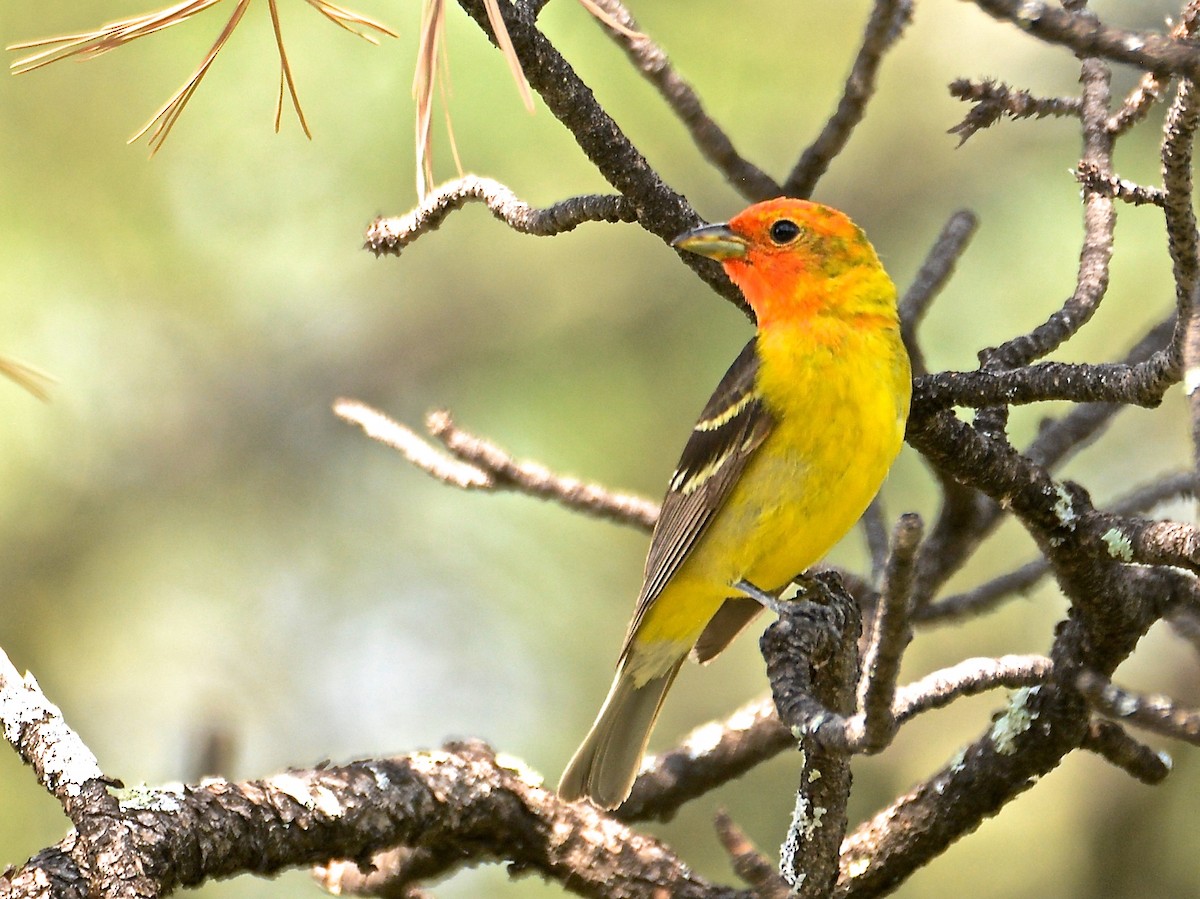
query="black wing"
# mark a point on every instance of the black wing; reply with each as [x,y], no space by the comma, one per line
[732,426]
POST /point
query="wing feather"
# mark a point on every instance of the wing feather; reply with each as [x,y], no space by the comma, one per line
[734,423]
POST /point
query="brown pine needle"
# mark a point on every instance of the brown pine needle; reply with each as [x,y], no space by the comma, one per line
[35,381]
[107,37]
[602,15]
[433,20]
[285,75]
[87,44]
[356,23]
[504,42]
[168,114]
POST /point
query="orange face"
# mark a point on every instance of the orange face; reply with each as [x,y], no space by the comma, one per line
[784,254]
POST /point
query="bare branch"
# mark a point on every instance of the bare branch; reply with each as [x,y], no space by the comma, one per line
[1149,89]
[458,797]
[884,27]
[985,597]
[991,594]
[1179,132]
[968,678]
[68,769]
[1111,743]
[890,636]
[536,480]
[35,728]
[934,274]
[875,531]
[1155,713]
[661,210]
[391,235]
[1090,176]
[709,756]
[481,465]
[410,445]
[1087,36]
[1058,440]
[1099,220]
[721,751]
[649,59]
[1112,382]
[748,863]
[811,652]
[994,99]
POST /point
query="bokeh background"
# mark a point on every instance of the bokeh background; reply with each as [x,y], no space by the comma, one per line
[192,544]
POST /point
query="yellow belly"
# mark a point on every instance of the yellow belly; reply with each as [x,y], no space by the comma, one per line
[804,489]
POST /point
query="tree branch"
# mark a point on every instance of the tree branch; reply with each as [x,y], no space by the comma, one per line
[479,464]
[884,27]
[648,58]
[391,235]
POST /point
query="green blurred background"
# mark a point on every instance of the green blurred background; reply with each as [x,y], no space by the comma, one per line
[191,542]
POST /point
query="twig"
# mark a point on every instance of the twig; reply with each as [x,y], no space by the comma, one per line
[481,465]
[410,445]
[660,210]
[720,751]
[391,235]
[709,756]
[875,530]
[1105,382]
[1155,713]
[1099,220]
[994,99]
[1144,498]
[985,597]
[537,480]
[1110,742]
[812,663]
[884,27]
[1179,131]
[1149,89]
[742,175]
[968,678]
[890,636]
[755,870]
[35,728]
[1058,440]
[935,272]
[1090,176]
[1086,36]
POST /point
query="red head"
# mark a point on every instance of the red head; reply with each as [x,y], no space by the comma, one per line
[794,258]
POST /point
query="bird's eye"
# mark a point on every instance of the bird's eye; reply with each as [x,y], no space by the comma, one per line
[784,231]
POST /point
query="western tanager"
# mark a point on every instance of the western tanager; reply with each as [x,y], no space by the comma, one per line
[793,445]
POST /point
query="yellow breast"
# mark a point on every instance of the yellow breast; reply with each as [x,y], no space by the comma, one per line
[839,392]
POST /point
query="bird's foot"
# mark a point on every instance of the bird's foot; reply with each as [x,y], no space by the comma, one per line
[767,600]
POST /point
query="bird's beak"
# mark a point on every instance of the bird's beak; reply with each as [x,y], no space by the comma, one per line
[714,241]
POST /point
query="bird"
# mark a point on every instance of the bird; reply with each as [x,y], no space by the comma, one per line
[794,444]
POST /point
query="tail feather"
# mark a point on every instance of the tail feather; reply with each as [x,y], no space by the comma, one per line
[605,765]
